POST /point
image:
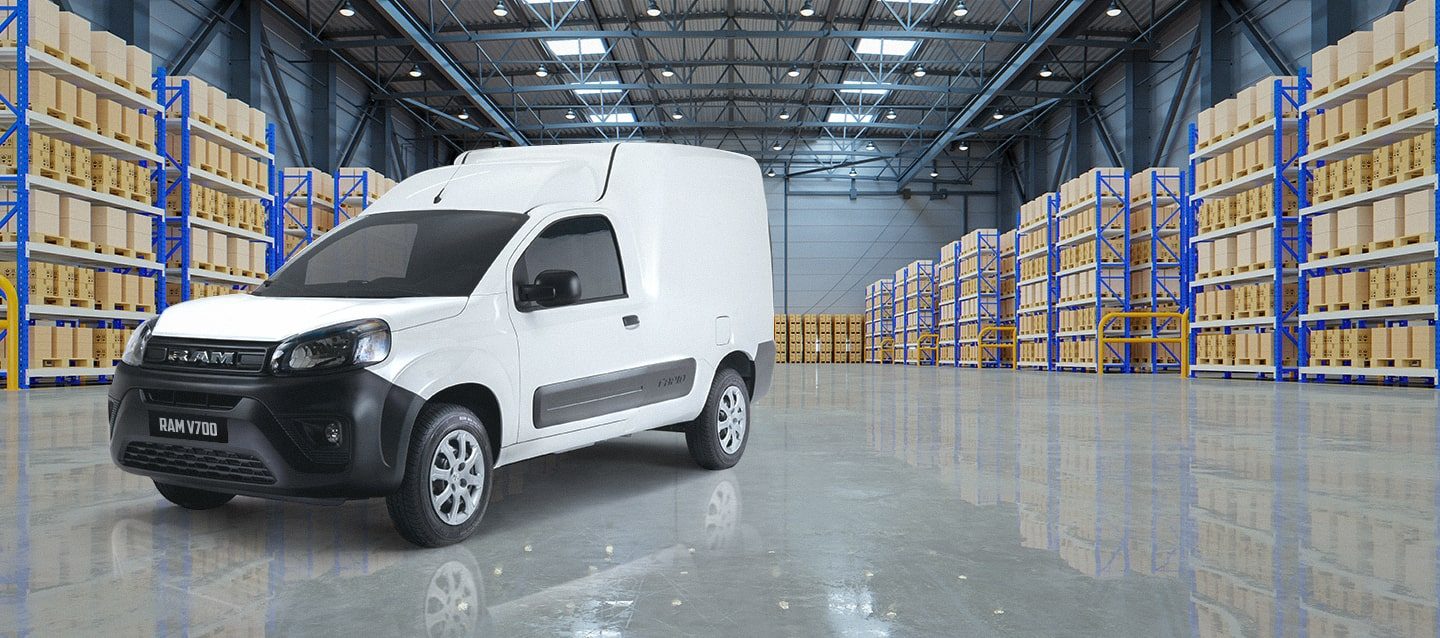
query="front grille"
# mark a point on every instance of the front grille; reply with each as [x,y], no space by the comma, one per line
[215,357]
[198,462]
[183,399]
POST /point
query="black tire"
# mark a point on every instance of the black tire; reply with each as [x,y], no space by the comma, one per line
[704,436]
[191,498]
[410,507]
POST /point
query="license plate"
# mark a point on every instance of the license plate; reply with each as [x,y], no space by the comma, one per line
[195,428]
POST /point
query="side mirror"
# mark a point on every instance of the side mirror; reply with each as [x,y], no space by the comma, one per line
[552,288]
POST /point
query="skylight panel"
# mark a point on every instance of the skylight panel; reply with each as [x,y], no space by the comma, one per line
[849,118]
[598,87]
[885,46]
[576,47]
[613,118]
[863,88]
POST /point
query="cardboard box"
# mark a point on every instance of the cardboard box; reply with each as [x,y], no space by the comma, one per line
[109,288]
[82,345]
[75,219]
[1420,213]
[42,344]
[1315,289]
[108,226]
[1375,108]
[1323,66]
[1420,91]
[75,36]
[140,66]
[1419,25]
[44,213]
[1355,56]
[44,26]
[130,289]
[1354,288]
[140,230]
[1387,38]
[1388,219]
[1396,99]
[1379,344]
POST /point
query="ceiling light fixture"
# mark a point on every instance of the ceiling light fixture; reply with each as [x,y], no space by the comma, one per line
[891,114]
[652,9]
[570,114]
[770,173]
[677,115]
[853,174]
[934,170]
[776,146]
[347,10]
[998,115]
[869,146]
[415,71]
[963,146]
[1045,71]
[500,10]
[667,72]
[919,72]
[807,9]
[1114,8]
[794,72]
[784,115]
[542,71]
[464,114]
[960,10]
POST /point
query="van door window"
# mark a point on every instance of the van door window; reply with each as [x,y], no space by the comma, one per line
[585,245]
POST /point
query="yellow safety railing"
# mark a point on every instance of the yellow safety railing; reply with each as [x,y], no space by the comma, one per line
[929,341]
[12,335]
[887,350]
[1101,339]
[1013,345]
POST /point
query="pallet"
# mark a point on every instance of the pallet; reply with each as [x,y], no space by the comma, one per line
[1316,145]
[1253,361]
[132,307]
[1379,123]
[1399,363]
[1339,252]
[1252,314]
[1338,362]
[1386,180]
[67,302]
[114,250]
[1250,267]
[148,255]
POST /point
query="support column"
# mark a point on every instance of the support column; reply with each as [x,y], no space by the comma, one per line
[1082,157]
[1217,42]
[1330,20]
[246,53]
[1140,130]
[323,110]
[130,19]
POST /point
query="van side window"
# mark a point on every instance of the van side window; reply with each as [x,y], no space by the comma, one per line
[585,245]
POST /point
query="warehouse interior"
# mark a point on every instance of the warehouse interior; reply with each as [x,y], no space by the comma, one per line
[1091,318]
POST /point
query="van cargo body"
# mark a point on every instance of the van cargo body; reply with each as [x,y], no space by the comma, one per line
[518,303]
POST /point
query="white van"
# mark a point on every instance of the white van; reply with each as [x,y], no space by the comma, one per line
[522,302]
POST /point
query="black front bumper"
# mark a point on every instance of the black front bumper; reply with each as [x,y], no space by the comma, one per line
[273,449]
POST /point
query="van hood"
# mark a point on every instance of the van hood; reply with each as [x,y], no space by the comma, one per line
[251,318]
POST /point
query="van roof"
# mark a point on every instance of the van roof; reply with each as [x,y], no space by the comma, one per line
[519,179]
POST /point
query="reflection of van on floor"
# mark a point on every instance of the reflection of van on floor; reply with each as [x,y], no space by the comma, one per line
[522,302]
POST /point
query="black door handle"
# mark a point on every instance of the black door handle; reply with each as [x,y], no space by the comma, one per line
[631,321]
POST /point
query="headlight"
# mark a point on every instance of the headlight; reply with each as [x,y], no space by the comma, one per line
[134,354]
[358,343]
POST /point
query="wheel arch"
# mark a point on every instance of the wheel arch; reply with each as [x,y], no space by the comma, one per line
[481,400]
[742,363]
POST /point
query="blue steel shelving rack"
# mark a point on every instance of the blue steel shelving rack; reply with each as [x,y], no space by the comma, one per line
[181,175]
[880,324]
[17,210]
[350,185]
[1111,267]
[941,283]
[1425,61]
[917,324]
[1052,257]
[296,189]
[1284,177]
[1166,204]
[987,297]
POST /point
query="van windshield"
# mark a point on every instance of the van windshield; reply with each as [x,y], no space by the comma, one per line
[405,254]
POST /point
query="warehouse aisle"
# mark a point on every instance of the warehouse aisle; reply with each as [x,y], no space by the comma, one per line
[873,500]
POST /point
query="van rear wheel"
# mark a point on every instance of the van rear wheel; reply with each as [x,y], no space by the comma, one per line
[717,438]
[191,498]
[447,478]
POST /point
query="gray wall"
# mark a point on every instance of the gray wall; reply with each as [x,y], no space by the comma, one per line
[837,246]
[174,22]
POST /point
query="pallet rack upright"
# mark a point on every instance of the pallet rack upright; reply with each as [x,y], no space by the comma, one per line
[880,325]
[182,174]
[1413,249]
[24,247]
[947,303]
[1042,311]
[1279,226]
[984,276]
[915,290]
[297,191]
[352,187]
[1110,202]
[1163,204]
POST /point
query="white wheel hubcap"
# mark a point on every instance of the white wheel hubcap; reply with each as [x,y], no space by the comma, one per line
[731,420]
[456,478]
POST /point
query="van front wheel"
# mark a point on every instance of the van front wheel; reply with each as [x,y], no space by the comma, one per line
[717,438]
[447,478]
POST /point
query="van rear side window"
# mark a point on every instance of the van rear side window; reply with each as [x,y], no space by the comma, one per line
[404,254]
[585,245]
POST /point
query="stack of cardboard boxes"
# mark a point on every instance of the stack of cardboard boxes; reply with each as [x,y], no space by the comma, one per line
[818,338]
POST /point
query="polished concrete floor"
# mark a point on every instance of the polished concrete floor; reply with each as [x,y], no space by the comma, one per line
[871,501]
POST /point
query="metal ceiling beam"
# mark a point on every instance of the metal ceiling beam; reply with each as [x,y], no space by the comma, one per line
[1047,30]
[200,40]
[737,86]
[447,66]
[720,34]
[759,125]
